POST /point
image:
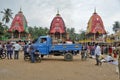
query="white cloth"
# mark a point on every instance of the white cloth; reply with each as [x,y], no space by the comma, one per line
[98,50]
[109,58]
[114,62]
[17,47]
[69,42]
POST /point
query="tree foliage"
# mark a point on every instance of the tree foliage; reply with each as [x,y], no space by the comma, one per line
[82,35]
[1,29]
[116,26]
[7,14]
[72,34]
[38,31]
[75,36]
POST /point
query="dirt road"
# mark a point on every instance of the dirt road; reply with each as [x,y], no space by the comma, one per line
[55,68]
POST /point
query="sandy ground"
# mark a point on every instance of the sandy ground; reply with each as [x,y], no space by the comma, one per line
[55,68]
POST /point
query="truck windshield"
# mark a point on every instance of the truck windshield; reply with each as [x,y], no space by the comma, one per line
[43,40]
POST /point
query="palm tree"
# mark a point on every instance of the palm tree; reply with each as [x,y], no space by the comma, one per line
[7,14]
[1,29]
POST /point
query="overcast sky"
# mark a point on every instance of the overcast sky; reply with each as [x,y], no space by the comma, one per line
[75,13]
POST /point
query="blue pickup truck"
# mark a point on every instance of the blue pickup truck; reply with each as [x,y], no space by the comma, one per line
[44,45]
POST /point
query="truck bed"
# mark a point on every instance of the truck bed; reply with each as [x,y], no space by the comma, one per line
[62,47]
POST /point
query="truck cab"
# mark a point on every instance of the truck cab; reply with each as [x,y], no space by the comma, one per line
[43,44]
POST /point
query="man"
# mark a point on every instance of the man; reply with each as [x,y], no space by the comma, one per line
[44,40]
[31,51]
[16,47]
[9,50]
[97,53]
[25,49]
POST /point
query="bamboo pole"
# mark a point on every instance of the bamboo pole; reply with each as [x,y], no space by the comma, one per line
[118,49]
[119,63]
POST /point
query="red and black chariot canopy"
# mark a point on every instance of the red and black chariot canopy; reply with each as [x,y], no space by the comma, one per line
[19,23]
[57,25]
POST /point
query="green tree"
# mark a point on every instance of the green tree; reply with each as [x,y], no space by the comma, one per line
[82,35]
[116,26]
[38,31]
[6,34]
[72,33]
[1,29]
[31,30]
[7,14]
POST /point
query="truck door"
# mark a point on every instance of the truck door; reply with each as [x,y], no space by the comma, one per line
[43,46]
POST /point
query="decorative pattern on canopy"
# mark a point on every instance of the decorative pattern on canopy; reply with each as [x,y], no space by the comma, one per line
[19,23]
[57,25]
[95,25]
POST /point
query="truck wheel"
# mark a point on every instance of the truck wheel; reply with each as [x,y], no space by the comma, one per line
[68,57]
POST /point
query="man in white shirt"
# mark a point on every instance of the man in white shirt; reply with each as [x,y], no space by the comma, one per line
[17,47]
[97,53]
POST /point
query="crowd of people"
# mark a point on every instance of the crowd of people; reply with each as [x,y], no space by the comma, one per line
[97,51]
[12,49]
[94,51]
